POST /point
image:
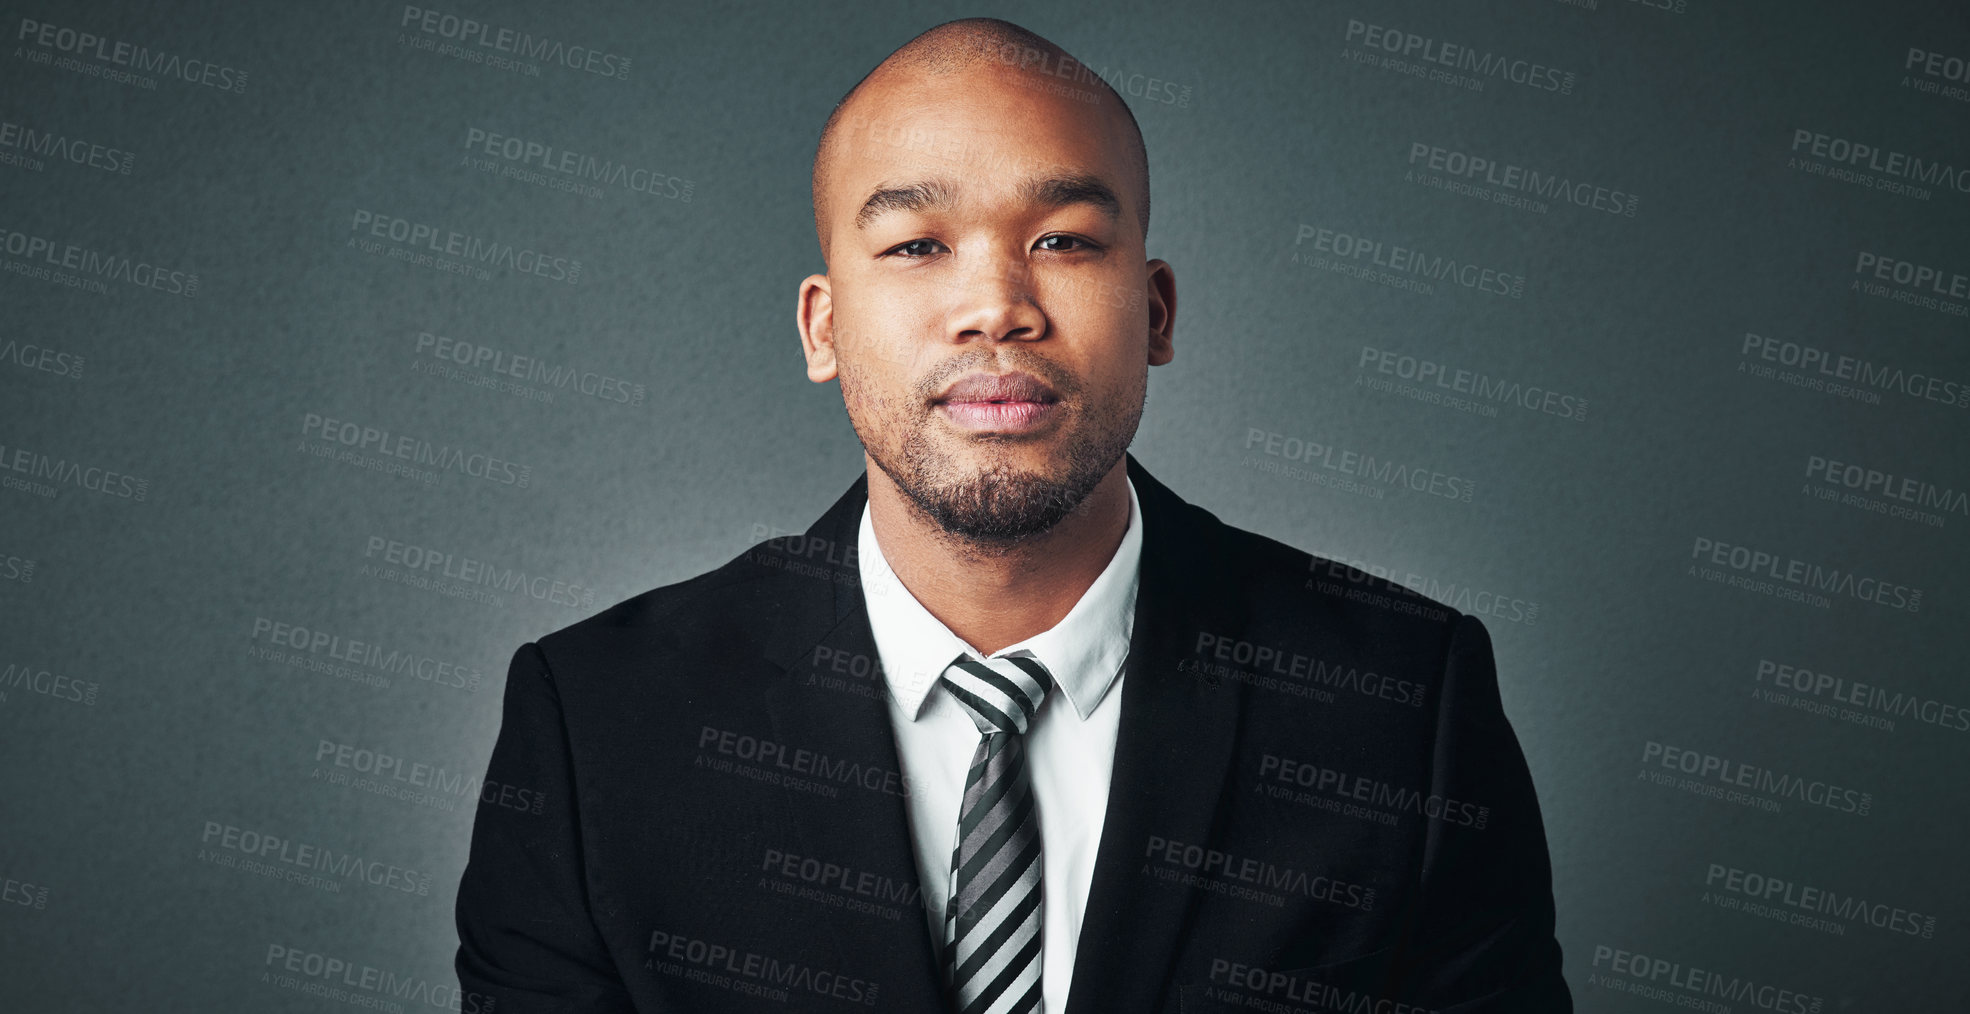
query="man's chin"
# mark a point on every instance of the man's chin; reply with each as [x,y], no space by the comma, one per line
[990,490]
[997,507]
[992,496]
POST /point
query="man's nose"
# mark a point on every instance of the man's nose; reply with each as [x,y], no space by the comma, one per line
[995,298]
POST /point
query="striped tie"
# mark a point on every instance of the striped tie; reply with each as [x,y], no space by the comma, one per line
[992,922]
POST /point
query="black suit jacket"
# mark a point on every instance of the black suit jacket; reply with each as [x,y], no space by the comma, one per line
[694,803]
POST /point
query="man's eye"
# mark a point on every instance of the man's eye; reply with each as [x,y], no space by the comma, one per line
[1063,244]
[916,248]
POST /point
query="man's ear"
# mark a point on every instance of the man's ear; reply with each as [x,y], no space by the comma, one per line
[816,321]
[1160,288]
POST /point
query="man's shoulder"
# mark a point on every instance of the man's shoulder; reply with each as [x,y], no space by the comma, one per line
[1276,574]
[731,605]
[1300,627]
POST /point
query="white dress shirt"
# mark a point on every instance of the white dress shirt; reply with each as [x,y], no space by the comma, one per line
[1070,745]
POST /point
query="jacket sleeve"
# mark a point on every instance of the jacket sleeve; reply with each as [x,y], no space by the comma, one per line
[1484,941]
[526,940]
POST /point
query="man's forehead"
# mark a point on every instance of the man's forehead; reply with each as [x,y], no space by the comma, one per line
[880,146]
[957,156]
[967,132]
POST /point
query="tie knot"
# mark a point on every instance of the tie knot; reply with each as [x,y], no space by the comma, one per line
[1000,694]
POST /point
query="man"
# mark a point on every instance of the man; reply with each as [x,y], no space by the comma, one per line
[1012,727]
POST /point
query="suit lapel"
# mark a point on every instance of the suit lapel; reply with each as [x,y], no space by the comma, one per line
[1175,742]
[868,829]
[1172,749]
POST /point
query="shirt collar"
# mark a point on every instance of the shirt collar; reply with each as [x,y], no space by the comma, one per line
[1084,651]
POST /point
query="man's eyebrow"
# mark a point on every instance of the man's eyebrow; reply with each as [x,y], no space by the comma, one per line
[1061,190]
[1055,191]
[918,196]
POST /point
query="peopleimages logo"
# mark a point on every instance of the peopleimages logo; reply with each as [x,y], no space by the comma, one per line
[325,976]
[1444,383]
[1250,879]
[416,450]
[1482,64]
[1858,156]
[1874,482]
[46,475]
[1273,990]
[412,564]
[1865,696]
[23,893]
[1935,73]
[572,168]
[41,358]
[843,880]
[1863,373]
[307,861]
[1749,568]
[33,145]
[1333,572]
[1373,791]
[1681,985]
[41,255]
[368,654]
[531,369]
[129,59]
[56,686]
[386,774]
[776,762]
[1705,768]
[1521,180]
[494,39]
[1354,465]
[1287,662]
[1357,251]
[1922,285]
[743,970]
[417,239]
[1819,901]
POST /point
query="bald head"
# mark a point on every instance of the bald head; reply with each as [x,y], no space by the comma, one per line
[975,46]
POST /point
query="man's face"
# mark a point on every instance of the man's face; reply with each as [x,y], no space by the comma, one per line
[987,306]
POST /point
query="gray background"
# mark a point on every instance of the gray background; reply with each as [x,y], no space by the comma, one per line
[1259,127]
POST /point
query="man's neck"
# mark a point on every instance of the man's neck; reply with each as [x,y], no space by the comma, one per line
[994,596]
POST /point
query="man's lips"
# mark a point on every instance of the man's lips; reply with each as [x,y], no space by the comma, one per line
[998,403]
[997,387]
[998,416]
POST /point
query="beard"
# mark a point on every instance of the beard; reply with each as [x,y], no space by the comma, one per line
[1001,502]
